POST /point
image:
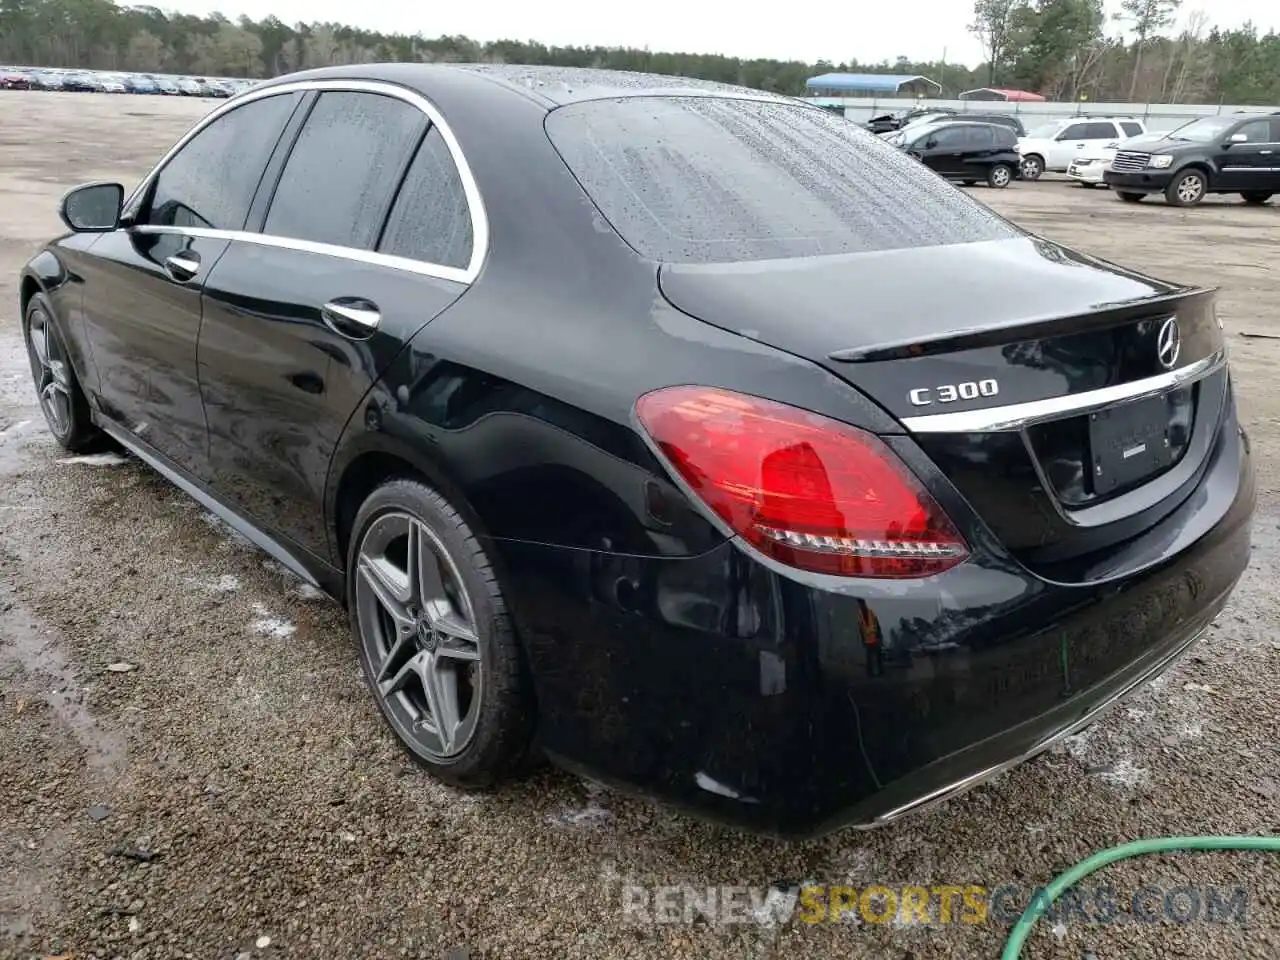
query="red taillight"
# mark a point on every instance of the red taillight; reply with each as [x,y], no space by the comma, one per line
[806,490]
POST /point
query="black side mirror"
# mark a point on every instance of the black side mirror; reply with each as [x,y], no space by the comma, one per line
[92,207]
[930,143]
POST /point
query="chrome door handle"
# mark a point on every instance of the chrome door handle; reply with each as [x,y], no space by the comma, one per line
[351,317]
[182,266]
[1264,151]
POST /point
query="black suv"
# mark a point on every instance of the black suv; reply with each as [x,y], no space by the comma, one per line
[966,151]
[1224,154]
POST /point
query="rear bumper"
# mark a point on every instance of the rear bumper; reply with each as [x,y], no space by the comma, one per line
[762,699]
[1144,181]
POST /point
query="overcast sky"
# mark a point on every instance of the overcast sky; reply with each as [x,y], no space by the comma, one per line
[835,31]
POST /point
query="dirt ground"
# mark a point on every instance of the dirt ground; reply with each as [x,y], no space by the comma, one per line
[235,792]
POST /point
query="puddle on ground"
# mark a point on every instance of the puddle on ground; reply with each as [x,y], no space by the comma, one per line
[27,643]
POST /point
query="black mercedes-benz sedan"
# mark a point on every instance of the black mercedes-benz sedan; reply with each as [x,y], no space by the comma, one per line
[686,434]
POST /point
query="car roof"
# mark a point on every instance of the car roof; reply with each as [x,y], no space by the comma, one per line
[973,121]
[552,86]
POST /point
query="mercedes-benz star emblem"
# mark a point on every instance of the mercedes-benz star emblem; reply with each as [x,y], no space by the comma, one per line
[1169,343]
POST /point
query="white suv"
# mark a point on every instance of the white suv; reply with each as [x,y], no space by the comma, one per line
[1054,145]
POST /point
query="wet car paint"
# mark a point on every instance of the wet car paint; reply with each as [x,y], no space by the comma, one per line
[665,656]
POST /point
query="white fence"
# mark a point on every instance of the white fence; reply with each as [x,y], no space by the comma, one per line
[1158,116]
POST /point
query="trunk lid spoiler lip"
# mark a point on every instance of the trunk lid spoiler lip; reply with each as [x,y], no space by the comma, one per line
[1104,315]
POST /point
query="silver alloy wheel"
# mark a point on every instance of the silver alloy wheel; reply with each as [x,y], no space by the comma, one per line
[1031,168]
[50,370]
[1191,188]
[1000,177]
[419,633]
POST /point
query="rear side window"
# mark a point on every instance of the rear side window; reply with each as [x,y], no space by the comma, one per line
[980,136]
[430,220]
[713,179]
[1099,131]
[338,180]
[942,137]
[1130,128]
[1077,131]
[211,181]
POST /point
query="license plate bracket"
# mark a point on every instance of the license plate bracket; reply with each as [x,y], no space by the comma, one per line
[1129,443]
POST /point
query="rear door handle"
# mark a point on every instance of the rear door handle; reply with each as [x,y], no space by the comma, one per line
[1264,151]
[353,317]
[182,266]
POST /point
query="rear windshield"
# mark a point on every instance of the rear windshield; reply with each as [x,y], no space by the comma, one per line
[712,179]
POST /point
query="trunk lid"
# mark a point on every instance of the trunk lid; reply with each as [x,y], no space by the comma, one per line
[985,352]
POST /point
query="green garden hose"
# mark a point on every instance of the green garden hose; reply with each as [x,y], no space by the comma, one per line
[1065,881]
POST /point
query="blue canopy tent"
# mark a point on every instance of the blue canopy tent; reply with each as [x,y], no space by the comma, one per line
[872,85]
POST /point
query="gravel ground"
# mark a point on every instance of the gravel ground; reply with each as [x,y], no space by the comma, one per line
[191,766]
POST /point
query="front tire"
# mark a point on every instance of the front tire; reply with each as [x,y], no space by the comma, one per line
[1032,167]
[999,176]
[1130,197]
[1256,197]
[436,642]
[1187,189]
[62,401]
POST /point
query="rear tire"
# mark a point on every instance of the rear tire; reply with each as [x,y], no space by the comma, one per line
[1187,189]
[999,176]
[1032,167]
[1131,197]
[62,401]
[1256,197]
[437,644]
[1087,186]
[970,183]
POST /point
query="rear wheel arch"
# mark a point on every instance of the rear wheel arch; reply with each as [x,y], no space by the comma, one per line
[370,469]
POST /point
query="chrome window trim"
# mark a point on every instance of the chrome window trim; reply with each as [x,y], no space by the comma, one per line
[1016,416]
[475,205]
[324,249]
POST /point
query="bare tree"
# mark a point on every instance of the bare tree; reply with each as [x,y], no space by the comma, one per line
[992,22]
[1195,62]
[1148,18]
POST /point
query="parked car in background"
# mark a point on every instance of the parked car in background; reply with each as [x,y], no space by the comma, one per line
[110,83]
[889,123]
[81,82]
[1233,153]
[1052,146]
[165,86]
[14,80]
[189,87]
[46,80]
[967,152]
[1088,168]
[141,83]
[1003,119]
